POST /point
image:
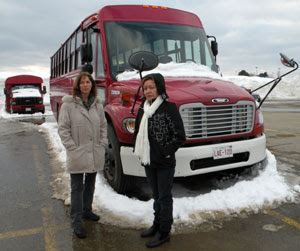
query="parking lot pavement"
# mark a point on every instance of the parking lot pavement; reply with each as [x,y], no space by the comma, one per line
[31,220]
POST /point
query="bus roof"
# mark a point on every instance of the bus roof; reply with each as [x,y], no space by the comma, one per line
[148,13]
[23,79]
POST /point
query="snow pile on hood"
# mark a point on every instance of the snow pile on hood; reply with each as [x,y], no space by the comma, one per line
[288,87]
[174,70]
[26,92]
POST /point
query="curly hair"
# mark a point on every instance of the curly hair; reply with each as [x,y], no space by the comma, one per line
[76,88]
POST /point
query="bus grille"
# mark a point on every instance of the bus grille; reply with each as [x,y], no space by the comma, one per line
[202,121]
[27,101]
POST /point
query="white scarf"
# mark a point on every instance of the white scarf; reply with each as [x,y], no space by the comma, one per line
[142,146]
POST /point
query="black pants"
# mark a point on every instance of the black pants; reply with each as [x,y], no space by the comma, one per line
[161,183]
[82,194]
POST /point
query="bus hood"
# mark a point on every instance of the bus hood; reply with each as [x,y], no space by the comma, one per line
[205,90]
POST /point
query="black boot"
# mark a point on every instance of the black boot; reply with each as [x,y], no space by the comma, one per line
[159,239]
[90,216]
[80,231]
[150,232]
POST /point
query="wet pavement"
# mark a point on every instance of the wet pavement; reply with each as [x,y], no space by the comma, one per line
[32,220]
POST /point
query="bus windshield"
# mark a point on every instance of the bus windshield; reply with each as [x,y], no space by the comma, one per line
[170,42]
[27,86]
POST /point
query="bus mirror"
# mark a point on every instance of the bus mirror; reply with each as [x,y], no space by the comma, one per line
[44,90]
[86,52]
[6,92]
[87,68]
[214,47]
[286,61]
[143,61]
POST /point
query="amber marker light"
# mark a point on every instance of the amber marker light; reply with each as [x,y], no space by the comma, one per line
[125,96]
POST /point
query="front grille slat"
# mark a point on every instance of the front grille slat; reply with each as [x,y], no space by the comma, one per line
[202,121]
[27,101]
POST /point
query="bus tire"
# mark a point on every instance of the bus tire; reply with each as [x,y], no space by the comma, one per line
[113,170]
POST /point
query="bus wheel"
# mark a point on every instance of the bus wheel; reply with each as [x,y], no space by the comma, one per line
[113,167]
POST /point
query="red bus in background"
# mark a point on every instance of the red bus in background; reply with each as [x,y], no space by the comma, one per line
[223,124]
[24,94]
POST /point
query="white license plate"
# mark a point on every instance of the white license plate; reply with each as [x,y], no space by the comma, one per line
[223,152]
[28,109]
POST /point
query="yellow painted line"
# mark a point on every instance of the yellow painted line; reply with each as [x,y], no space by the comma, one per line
[20,233]
[48,223]
[37,162]
[279,131]
[31,231]
[49,229]
[285,219]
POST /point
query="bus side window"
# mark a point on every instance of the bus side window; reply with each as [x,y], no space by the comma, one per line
[101,94]
[100,68]
[77,51]
[92,40]
[72,54]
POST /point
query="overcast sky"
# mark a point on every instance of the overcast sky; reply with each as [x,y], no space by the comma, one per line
[250,33]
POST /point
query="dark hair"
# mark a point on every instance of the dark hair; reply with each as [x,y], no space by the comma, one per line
[76,88]
[159,81]
[148,77]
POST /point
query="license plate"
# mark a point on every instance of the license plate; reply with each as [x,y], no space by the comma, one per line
[28,109]
[223,152]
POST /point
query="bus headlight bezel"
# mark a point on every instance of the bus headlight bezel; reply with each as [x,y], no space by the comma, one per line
[129,124]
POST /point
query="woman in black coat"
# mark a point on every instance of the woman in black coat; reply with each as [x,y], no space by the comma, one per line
[159,132]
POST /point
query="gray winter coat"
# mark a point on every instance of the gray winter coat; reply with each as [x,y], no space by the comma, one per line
[83,133]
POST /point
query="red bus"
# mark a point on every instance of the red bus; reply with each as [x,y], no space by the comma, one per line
[24,94]
[223,124]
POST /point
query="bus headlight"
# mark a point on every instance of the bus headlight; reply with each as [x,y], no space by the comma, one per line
[260,117]
[128,125]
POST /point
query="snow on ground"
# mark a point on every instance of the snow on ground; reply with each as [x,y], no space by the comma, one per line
[267,189]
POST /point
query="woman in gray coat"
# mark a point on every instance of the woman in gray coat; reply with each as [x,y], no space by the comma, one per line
[82,128]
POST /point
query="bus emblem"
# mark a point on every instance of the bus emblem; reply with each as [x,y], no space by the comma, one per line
[220,100]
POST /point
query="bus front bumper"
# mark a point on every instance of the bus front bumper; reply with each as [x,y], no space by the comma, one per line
[200,159]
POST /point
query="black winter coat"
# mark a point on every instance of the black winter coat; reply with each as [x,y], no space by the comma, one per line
[165,132]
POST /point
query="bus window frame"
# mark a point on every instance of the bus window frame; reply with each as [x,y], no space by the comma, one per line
[66,58]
